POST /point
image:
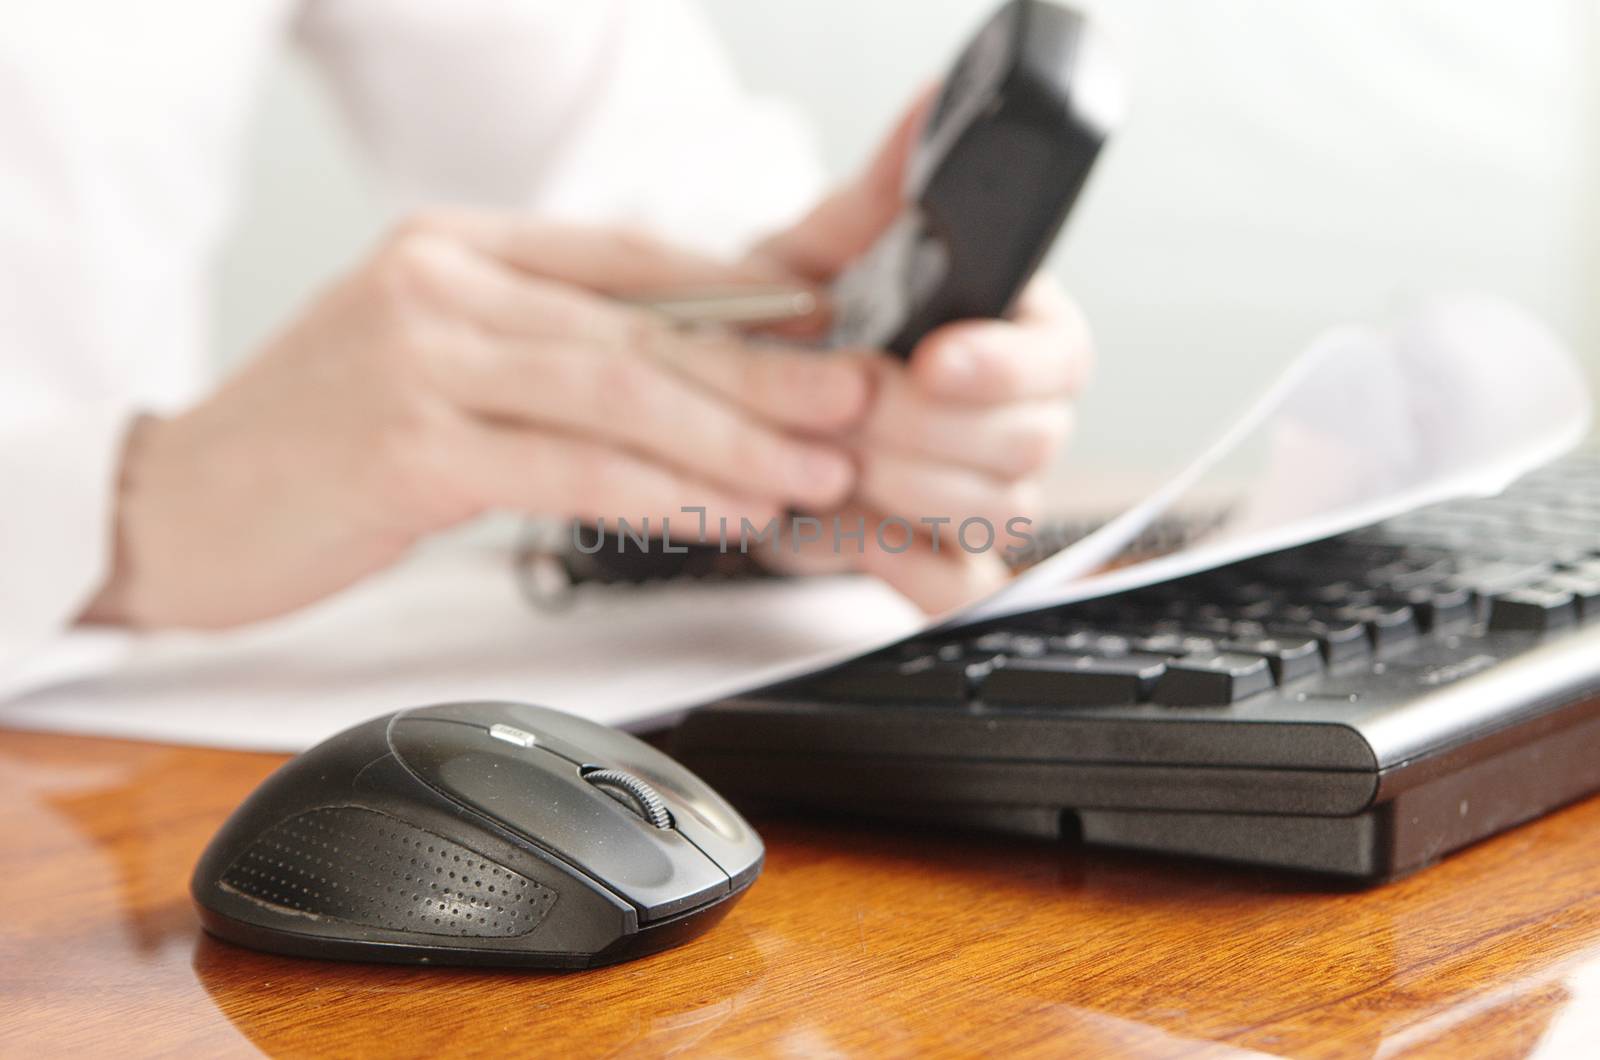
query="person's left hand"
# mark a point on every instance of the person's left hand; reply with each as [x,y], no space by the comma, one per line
[965,428]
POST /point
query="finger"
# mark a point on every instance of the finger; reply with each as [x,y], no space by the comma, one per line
[845,224]
[935,573]
[619,262]
[1044,352]
[937,581]
[835,548]
[463,284]
[919,490]
[793,388]
[614,260]
[1043,303]
[1008,441]
[802,389]
[546,474]
[613,396]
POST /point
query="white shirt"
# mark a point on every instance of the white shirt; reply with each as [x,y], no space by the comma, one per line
[120,152]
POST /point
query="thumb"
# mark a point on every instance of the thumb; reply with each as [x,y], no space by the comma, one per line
[841,227]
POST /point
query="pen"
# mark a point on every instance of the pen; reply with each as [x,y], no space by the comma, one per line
[772,304]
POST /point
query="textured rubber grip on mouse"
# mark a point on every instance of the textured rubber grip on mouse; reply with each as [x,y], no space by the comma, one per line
[364,867]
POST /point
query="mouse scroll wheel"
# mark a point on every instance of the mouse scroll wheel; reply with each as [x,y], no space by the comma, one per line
[633,793]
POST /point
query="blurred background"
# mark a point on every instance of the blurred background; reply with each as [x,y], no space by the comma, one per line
[1285,167]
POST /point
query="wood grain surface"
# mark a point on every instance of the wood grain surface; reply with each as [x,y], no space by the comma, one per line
[858,940]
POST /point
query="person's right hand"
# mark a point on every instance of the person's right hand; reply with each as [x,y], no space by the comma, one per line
[468,365]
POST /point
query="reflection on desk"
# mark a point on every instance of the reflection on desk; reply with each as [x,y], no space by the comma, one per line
[857,938]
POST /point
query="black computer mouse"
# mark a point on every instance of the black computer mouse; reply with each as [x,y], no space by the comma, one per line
[476,833]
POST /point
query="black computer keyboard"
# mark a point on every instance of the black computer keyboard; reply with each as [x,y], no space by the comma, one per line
[1360,705]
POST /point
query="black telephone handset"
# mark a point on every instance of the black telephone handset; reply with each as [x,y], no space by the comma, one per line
[1006,149]
[1005,152]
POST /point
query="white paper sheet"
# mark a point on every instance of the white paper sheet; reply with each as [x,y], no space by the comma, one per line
[1460,398]
[449,624]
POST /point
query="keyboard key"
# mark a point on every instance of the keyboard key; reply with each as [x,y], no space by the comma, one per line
[953,651]
[1438,608]
[1259,610]
[1212,623]
[1006,642]
[1341,594]
[1213,680]
[924,679]
[1073,681]
[1254,592]
[1421,576]
[1108,645]
[1388,626]
[1585,590]
[1289,657]
[1586,567]
[1174,643]
[1247,629]
[1532,610]
[1340,641]
[1088,642]
[1293,614]
[1489,579]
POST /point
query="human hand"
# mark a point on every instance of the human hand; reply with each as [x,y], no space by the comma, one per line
[963,429]
[471,363]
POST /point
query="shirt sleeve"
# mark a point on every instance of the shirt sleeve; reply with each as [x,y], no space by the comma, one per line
[606,111]
[117,137]
[58,474]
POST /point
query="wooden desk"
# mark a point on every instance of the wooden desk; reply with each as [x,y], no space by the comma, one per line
[857,939]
